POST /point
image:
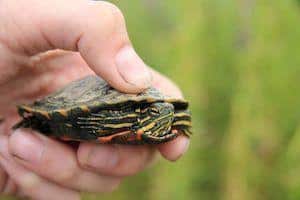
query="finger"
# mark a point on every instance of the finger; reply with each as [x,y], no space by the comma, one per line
[31,185]
[97,30]
[174,149]
[57,162]
[115,160]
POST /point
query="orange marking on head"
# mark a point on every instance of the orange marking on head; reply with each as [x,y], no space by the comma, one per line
[174,131]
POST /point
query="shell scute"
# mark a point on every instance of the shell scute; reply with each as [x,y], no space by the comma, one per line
[93,91]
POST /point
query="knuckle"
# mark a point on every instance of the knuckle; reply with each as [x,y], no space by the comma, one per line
[67,175]
[136,165]
[63,174]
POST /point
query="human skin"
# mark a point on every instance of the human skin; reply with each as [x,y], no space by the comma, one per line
[91,38]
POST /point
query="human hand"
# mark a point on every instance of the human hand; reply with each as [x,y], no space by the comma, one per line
[94,39]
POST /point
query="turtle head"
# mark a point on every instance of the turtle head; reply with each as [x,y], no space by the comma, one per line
[156,120]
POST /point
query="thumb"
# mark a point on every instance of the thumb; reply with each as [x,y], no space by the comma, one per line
[95,29]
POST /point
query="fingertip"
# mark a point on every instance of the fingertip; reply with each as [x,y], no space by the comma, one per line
[107,49]
[132,68]
[174,149]
[124,71]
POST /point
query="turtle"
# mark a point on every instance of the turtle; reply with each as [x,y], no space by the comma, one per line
[89,109]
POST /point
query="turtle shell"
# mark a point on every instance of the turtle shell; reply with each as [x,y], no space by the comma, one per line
[93,91]
[72,112]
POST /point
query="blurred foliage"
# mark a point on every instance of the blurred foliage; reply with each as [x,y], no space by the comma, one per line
[238,64]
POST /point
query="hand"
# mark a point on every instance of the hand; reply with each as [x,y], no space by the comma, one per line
[92,37]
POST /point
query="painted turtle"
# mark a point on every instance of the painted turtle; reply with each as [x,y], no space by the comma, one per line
[90,110]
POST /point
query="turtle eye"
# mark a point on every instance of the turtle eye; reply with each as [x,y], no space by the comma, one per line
[154,111]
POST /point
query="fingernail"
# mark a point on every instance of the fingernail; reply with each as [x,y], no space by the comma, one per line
[26,146]
[132,68]
[103,157]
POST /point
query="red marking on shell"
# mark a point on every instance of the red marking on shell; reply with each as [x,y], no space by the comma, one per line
[109,138]
[104,140]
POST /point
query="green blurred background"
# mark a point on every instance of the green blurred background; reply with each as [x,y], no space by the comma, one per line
[238,63]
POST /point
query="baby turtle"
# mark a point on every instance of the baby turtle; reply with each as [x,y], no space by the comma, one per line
[90,110]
